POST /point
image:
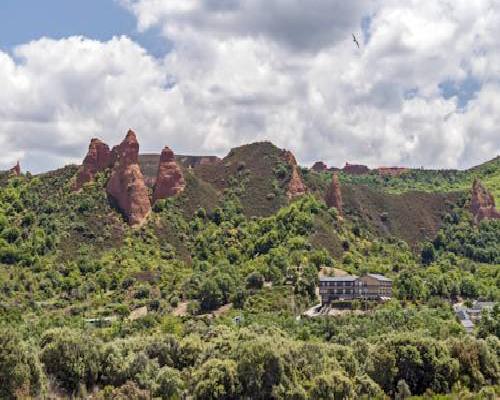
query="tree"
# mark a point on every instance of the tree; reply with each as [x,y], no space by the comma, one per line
[489,324]
[255,280]
[71,357]
[21,375]
[216,380]
[402,390]
[366,388]
[382,368]
[428,253]
[129,391]
[260,369]
[410,286]
[332,386]
[210,295]
[168,384]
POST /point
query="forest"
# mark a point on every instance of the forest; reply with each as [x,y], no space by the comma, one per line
[224,291]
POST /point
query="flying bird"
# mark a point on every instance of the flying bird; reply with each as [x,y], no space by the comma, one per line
[355,40]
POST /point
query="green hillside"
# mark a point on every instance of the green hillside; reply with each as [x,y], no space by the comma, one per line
[425,180]
[205,300]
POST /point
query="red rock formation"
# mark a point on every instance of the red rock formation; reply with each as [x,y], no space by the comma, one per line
[319,166]
[209,160]
[356,169]
[16,169]
[296,186]
[98,159]
[289,158]
[391,171]
[126,187]
[482,204]
[333,197]
[169,180]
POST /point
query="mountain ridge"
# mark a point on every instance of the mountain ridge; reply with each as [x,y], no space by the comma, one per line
[218,276]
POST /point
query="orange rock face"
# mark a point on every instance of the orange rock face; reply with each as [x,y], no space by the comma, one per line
[169,181]
[319,166]
[16,169]
[126,187]
[333,197]
[289,158]
[482,204]
[296,186]
[391,171]
[98,159]
[356,169]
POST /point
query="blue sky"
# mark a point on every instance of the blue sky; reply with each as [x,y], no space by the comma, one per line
[203,76]
[22,21]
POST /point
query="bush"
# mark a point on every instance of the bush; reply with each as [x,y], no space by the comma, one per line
[255,280]
[129,391]
[332,386]
[21,375]
[169,384]
[216,380]
[72,357]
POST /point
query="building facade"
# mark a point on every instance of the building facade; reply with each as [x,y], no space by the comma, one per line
[370,286]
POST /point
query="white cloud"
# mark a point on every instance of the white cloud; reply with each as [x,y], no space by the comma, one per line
[58,93]
[300,25]
[283,70]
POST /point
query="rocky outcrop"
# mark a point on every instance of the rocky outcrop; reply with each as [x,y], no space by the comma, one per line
[126,187]
[289,158]
[333,197]
[16,169]
[319,166]
[482,204]
[194,161]
[356,169]
[391,171]
[296,187]
[169,180]
[98,159]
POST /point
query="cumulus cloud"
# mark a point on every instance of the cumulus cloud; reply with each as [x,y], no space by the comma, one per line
[56,94]
[297,24]
[280,70]
[290,73]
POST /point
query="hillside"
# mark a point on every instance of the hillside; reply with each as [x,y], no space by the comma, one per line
[427,180]
[204,298]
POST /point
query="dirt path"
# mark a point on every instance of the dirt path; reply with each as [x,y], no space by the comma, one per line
[181,310]
[222,310]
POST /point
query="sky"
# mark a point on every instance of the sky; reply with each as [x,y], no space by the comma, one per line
[203,76]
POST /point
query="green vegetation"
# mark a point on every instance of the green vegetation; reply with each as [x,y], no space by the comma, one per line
[433,181]
[206,299]
[419,179]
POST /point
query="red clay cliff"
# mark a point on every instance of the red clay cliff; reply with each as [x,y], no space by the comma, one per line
[296,186]
[356,169]
[333,197]
[126,187]
[482,204]
[169,180]
[16,169]
[319,166]
[98,159]
[391,171]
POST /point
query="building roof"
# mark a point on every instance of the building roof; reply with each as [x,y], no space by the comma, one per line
[379,277]
[462,315]
[459,307]
[480,305]
[467,323]
[337,278]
